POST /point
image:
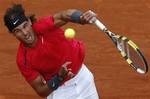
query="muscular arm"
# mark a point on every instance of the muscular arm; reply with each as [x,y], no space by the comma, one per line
[40,86]
[63,17]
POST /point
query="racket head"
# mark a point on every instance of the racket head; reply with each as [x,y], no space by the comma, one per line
[132,54]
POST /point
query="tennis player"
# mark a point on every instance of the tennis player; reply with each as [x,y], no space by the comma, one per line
[50,63]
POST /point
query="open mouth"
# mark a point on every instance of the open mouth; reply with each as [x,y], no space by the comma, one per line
[28,38]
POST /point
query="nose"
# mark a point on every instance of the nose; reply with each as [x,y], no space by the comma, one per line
[25,32]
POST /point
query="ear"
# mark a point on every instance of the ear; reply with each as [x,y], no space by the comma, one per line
[29,20]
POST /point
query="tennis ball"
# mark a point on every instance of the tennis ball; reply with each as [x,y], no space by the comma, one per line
[69,33]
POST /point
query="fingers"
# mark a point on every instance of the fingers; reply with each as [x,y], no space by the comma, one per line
[70,74]
[88,17]
[66,64]
[64,70]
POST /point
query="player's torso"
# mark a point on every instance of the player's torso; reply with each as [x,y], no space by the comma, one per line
[52,50]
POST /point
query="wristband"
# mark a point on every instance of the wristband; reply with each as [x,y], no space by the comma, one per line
[54,82]
[75,17]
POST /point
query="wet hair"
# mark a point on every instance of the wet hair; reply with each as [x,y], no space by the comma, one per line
[15,16]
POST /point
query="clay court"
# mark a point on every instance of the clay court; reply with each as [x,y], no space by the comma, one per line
[115,79]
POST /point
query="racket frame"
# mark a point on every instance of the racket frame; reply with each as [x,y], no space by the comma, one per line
[114,38]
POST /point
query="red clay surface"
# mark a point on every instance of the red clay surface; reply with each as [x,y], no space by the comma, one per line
[114,78]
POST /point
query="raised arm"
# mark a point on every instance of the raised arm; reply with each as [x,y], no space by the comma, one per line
[75,16]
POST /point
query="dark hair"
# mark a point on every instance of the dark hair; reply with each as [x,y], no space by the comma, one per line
[32,18]
[16,12]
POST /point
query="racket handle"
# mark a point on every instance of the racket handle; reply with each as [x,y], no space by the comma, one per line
[100,25]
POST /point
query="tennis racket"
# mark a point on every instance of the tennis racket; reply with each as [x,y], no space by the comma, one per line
[127,48]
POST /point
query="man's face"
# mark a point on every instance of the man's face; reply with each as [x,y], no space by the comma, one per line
[25,33]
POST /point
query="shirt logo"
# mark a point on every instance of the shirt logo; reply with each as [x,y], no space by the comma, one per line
[16,22]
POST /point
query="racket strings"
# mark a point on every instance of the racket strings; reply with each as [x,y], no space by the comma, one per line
[131,53]
[135,57]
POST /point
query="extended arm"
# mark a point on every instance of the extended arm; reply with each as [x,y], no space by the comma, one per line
[75,16]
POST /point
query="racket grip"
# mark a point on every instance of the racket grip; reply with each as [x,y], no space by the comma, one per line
[100,25]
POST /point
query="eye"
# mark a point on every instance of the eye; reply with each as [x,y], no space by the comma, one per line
[16,31]
[25,25]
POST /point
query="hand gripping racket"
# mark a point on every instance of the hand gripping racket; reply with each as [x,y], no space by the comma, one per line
[127,48]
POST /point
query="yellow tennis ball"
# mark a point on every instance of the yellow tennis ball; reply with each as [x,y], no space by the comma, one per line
[69,33]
